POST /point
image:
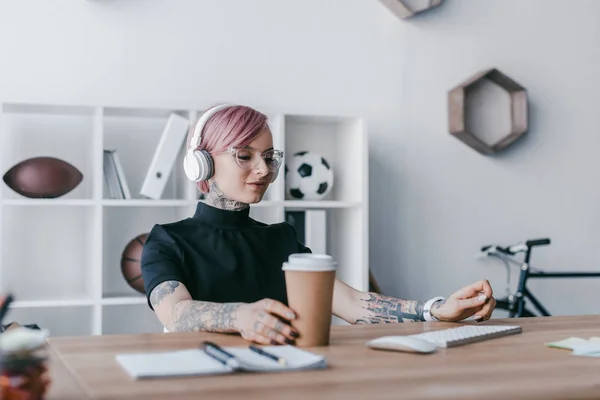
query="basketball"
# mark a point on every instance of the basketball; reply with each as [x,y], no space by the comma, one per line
[131,262]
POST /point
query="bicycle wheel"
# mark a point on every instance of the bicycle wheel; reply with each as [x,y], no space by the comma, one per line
[505,305]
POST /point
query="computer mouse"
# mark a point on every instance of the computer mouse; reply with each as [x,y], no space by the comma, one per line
[402,343]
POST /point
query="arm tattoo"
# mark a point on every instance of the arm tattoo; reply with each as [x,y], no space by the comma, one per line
[161,290]
[216,198]
[383,309]
[190,315]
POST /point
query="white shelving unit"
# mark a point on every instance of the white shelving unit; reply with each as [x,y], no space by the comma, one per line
[61,257]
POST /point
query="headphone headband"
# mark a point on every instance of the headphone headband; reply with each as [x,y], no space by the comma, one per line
[197,136]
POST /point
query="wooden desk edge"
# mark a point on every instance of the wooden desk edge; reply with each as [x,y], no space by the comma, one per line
[64,384]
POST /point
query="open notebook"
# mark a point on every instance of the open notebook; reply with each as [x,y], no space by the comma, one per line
[192,362]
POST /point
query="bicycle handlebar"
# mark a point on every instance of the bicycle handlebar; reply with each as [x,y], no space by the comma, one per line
[537,242]
[500,249]
[519,247]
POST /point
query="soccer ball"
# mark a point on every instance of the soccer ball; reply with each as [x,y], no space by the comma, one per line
[308,176]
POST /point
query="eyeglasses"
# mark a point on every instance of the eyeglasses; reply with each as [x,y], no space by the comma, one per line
[249,158]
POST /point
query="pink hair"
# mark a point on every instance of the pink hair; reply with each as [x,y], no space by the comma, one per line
[231,127]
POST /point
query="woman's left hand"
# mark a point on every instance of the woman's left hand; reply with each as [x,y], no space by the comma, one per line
[474,300]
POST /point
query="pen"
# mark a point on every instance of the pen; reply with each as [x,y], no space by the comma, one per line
[4,306]
[273,357]
[218,353]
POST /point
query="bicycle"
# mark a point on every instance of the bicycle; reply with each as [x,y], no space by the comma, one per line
[515,303]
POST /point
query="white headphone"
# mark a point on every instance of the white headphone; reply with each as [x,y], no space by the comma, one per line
[198,164]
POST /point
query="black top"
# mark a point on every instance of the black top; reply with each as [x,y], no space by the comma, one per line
[220,256]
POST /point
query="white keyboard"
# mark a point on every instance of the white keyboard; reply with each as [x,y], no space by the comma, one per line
[466,334]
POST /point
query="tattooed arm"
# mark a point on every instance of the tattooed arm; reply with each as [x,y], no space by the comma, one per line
[263,321]
[475,300]
[358,307]
[177,311]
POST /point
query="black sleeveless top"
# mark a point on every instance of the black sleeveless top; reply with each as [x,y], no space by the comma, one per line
[220,256]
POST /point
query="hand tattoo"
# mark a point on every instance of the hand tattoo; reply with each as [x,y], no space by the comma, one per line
[205,316]
[384,309]
[161,290]
[216,198]
[438,304]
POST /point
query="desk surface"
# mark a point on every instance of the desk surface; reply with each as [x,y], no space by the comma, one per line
[515,367]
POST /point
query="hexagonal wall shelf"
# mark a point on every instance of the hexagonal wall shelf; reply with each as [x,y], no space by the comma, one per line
[407,8]
[466,107]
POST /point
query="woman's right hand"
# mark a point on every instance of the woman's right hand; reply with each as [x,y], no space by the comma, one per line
[266,322]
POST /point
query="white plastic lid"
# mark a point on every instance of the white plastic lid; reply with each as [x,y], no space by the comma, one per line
[309,262]
[22,339]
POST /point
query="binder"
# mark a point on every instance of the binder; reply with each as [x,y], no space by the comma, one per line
[165,156]
[124,187]
[115,182]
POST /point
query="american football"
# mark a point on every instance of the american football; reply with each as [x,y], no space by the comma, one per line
[43,178]
[308,176]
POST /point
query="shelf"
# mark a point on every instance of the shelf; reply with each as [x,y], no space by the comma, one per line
[52,303]
[132,112]
[488,111]
[135,135]
[47,255]
[59,320]
[172,203]
[29,131]
[175,203]
[120,226]
[147,203]
[300,204]
[267,204]
[48,202]
[129,319]
[124,299]
[48,109]
[341,142]
[62,257]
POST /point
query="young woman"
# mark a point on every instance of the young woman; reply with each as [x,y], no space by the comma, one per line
[220,270]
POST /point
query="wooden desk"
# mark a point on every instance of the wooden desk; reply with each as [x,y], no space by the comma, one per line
[514,367]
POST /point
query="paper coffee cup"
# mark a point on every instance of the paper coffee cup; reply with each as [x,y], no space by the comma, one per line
[309,282]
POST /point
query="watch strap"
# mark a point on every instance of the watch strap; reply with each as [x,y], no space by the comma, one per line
[427,309]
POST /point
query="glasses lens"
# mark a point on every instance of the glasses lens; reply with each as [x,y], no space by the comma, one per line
[272,159]
[250,158]
[245,158]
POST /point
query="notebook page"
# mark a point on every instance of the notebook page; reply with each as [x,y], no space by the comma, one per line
[171,364]
[295,357]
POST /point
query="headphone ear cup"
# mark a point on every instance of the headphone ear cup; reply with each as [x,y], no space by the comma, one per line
[206,161]
[198,165]
[190,166]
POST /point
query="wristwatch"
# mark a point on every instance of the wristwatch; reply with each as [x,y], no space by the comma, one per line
[427,309]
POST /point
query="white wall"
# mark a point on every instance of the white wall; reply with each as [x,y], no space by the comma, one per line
[447,199]
[434,201]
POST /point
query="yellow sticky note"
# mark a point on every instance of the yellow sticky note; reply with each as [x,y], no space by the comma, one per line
[568,343]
